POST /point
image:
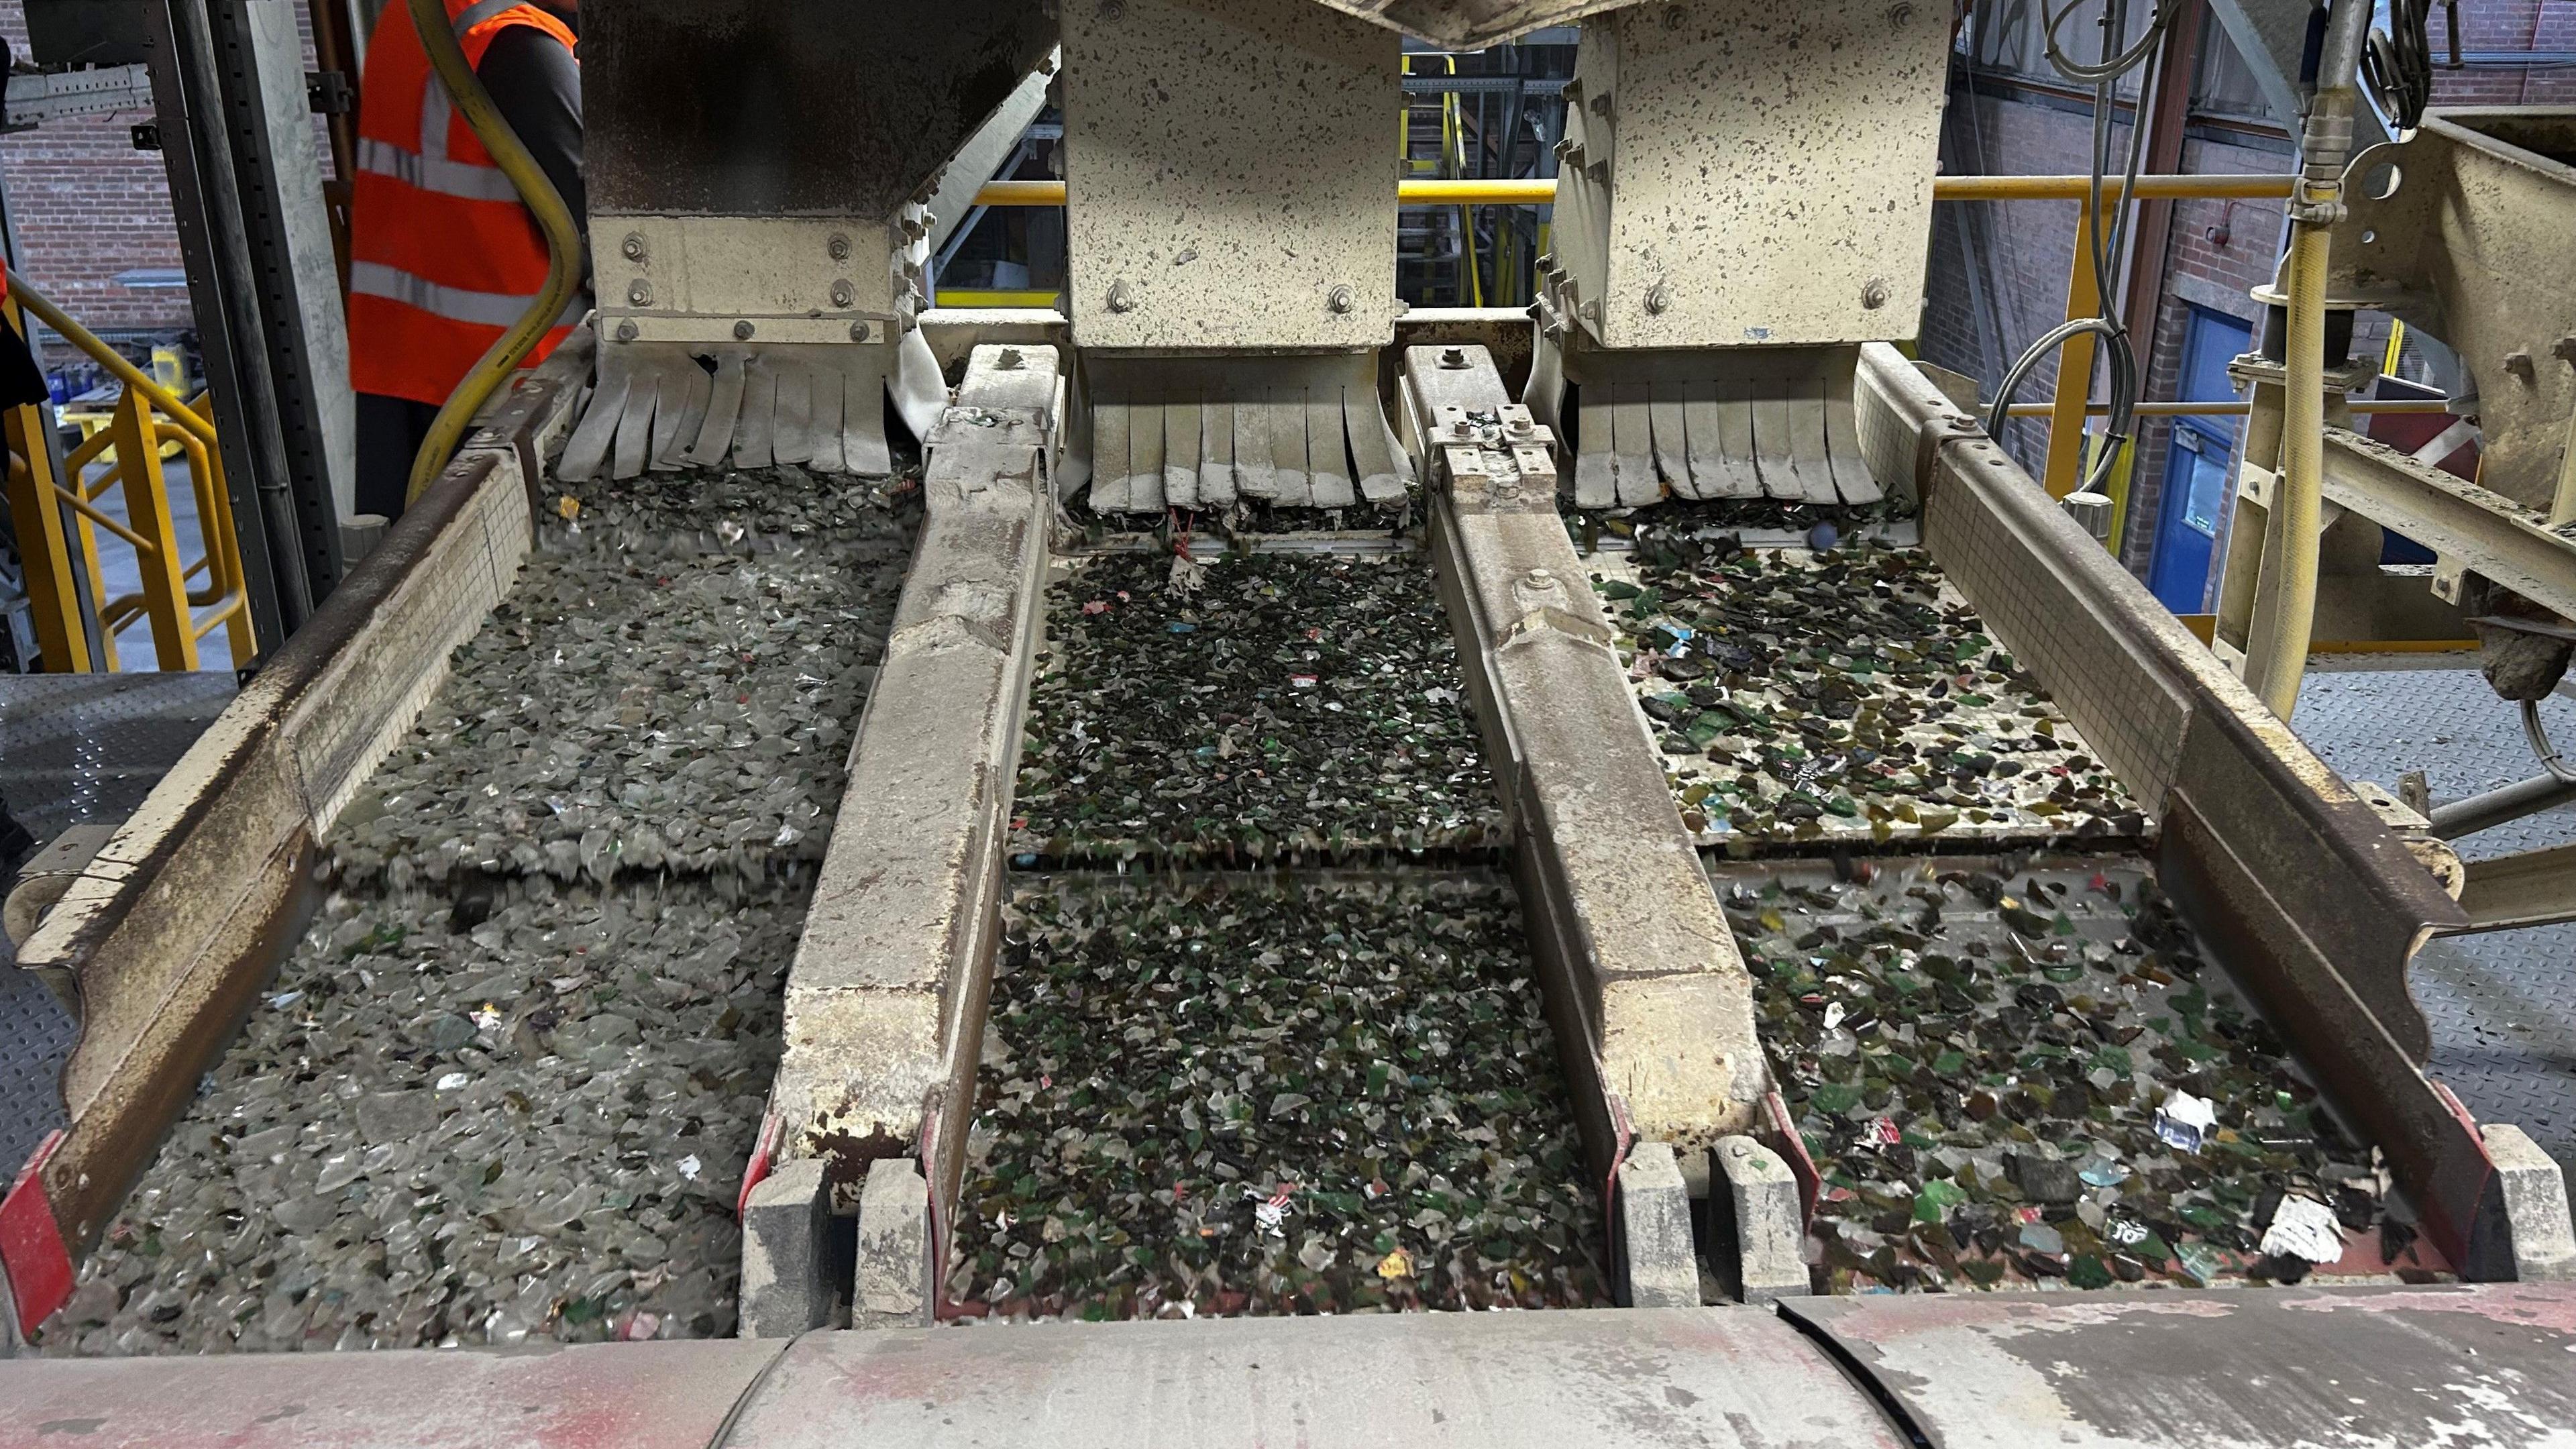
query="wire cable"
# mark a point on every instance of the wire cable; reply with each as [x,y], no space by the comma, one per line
[2110,228]
[2397,64]
[2538,734]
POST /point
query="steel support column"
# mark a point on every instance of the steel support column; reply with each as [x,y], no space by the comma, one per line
[245,182]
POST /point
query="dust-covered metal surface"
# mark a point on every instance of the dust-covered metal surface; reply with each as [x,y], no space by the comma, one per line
[1809,698]
[633,1396]
[507,1084]
[2013,1073]
[1723,1378]
[815,107]
[1250,708]
[2364,1367]
[1189,226]
[2460,232]
[1271,1096]
[1792,211]
[1643,980]
[1472,24]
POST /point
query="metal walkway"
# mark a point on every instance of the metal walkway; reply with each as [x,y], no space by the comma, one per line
[2502,1005]
[76,748]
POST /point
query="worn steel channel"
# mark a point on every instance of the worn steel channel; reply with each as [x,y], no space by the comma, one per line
[2304,894]
[168,934]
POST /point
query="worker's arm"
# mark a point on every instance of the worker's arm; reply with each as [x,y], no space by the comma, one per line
[536,84]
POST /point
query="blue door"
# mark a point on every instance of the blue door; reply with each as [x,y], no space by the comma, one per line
[2198,464]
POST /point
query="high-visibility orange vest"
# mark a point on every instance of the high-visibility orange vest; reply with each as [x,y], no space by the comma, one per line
[443,256]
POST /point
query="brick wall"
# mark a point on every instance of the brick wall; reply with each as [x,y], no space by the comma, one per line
[86,206]
[2022,251]
[2217,252]
[2508,25]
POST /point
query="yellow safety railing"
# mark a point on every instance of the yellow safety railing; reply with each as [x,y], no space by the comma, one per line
[1541,191]
[125,455]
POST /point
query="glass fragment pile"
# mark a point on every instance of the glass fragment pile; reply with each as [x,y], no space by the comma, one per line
[505,1087]
[2017,1075]
[1802,697]
[1263,1092]
[1271,1099]
[1255,708]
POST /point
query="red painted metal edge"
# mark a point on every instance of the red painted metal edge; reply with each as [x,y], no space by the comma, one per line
[32,1251]
[1793,1150]
[756,1171]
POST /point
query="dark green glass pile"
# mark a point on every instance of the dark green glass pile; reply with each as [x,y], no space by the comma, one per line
[1838,696]
[1975,1056]
[1270,1098]
[1256,708]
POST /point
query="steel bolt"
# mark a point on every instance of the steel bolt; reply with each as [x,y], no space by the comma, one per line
[1874,296]
[1341,299]
[843,294]
[1539,579]
[1453,357]
[633,246]
[1658,298]
[1122,298]
[1900,12]
[838,246]
[858,332]
[627,331]
[1008,360]
[640,293]
[742,331]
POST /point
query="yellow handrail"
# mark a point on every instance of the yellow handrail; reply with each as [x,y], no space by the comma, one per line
[161,398]
[1541,191]
[146,418]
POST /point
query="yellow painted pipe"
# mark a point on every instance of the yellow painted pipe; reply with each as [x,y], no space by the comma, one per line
[2402,406]
[2280,652]
[1542,191]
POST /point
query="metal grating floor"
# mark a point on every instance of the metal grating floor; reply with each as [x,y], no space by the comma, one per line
[2502,1005]
[76,748]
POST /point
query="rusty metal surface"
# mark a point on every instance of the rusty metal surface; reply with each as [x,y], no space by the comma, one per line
[170,930]
[2317,909]
[2313,904]
[1716,1377]
[605,1396]
[791,107]
[2490,1365]
[2462,232]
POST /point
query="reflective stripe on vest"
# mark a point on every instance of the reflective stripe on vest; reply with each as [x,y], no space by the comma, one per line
[431,168]
[483,309]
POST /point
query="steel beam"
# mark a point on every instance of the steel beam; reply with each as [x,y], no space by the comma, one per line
[2532,888]
[2469,528]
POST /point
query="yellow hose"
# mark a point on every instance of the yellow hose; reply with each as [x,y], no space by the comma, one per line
[2291,532]
[563,246]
